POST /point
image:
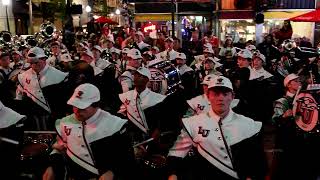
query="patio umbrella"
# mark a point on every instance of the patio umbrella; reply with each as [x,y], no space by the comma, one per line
[104,20]
[313,16]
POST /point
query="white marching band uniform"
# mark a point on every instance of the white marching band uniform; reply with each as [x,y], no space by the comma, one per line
[31,84]
[71,131]
[213,139]
[134,104]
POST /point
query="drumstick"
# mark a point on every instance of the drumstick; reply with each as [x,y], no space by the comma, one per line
[9,140]
[151,139]
[143,142]
[296,96]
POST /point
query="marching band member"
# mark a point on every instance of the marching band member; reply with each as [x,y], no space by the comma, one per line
[147,57]
[228,144]
[105,81]
[108,44]
[123,61]
[37,87]
[201,104]
[11,138]
[138,39]
[187,75]
[24,51]
[239,76]
[143,125]
[98,61]
[251,48]
[155,50]
[18,65]
[257,71]
[115,57]
[286,128]
[134,62]
[169,54]
[137,100]
[17,60]
[211,65]
[227,53]
[262,90]
[88,57]
[7,80]
[66,62]
[95,142]
[198,60]
[5,68]
[55,59]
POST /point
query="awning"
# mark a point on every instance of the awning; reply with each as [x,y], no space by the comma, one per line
[313,16]
[152,17]
[283,15]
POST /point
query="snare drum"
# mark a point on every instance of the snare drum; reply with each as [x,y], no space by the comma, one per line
[306,111]
[155,161]
[153,167]
[34,156]
[34,151]
[165,77]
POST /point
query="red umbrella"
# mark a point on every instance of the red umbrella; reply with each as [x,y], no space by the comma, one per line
[313,16]
[104,20]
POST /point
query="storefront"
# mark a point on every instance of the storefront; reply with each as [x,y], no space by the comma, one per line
[150,22]
[274,21]
[238,25]
[244,28]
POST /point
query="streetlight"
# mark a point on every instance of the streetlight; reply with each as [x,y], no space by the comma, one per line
[118,12]
[88,9]
[6,3]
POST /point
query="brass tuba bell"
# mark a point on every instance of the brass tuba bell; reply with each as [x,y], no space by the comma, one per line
[5,37]
[47,29]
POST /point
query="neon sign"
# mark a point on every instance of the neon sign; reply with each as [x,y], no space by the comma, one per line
[149,28]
